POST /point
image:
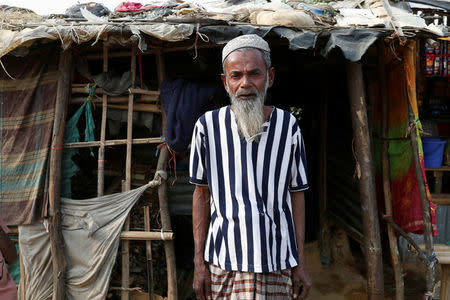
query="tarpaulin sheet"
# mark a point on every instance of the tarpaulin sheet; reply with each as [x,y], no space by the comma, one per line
[26,123]
[91,231]
[400,81]
[298,39]
[352,42]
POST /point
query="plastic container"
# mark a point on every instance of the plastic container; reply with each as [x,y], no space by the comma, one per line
[433,152]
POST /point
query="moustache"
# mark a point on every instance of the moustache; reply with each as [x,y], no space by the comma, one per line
[247,92]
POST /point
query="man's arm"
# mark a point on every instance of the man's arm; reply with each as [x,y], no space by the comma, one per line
[200,219]
[300,275]
[7,247]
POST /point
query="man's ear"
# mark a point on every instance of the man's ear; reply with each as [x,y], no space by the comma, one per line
[271,76]
[224,80]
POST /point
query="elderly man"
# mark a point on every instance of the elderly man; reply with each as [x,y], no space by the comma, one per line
[248,164]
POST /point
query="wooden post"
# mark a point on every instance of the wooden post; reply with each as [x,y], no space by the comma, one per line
[172,292]
[101,150]
[56,238]
[366,178]
[127,185]
[148,252]
[426,213]
[324,237]
[395,256]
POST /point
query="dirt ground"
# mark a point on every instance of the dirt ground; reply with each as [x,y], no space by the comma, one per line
[346,281]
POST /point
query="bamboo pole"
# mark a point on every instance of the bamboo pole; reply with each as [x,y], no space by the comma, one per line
[364,157]
[155,140]
[81,89]
[172,292]
[152,108]
[101,150]
[146,236]
[125,243]
[115,100]
[426,213]
[395,256]
[56,238]
[148,253]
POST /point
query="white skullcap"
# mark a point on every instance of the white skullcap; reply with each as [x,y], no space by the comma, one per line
[245,41]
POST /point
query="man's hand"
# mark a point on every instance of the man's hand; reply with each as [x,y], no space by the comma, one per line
[202,281]
[300,277]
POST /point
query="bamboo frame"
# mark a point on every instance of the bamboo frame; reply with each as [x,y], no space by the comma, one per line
[101,150]
[127,185]
[364,156]
[56,239]
[395,256]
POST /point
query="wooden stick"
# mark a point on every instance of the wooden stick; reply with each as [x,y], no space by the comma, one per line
[56,238]
[395,256]
[146,236]
[23,278]
[426,213]
[151,108]
[172,292]
[366,178]
[441,199]
[115,100]
[125,244]
[101,150]
[148,253]
[324,235]
[82,90]
[155,140]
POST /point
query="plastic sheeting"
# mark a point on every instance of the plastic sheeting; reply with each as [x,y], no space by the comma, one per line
[91,230]
[68,34]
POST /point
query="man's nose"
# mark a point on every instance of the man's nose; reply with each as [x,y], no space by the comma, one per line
[245,82]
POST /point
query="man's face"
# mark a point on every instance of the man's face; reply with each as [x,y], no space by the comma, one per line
[246,74]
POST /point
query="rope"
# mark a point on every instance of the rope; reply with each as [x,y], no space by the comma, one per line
[91,95]
[4,69]
[204,38]
[173,157]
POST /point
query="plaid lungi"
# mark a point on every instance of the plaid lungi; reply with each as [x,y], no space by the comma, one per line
[250,286]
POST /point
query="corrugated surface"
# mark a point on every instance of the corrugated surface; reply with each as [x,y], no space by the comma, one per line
[342,191]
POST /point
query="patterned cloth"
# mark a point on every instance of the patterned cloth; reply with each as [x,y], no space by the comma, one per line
[251,228]
[252,286]
[27,107]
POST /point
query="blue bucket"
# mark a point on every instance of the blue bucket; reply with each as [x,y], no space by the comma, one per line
[433,152]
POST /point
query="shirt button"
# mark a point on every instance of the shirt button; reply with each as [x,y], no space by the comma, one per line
[262,214]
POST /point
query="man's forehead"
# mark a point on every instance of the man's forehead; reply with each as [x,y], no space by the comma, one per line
[250,58]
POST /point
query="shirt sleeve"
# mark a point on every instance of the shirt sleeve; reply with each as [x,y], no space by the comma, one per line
[299,180]
[197,171]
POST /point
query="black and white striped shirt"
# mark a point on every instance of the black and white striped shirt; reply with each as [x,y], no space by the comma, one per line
[252,227]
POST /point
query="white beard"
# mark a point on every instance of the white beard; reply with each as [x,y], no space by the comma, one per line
[249,114]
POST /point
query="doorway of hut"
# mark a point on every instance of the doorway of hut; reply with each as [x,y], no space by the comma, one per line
[314,89]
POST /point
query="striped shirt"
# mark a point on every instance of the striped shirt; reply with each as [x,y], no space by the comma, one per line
[252,227]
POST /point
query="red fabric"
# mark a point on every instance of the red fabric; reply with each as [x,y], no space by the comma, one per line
[129,6]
